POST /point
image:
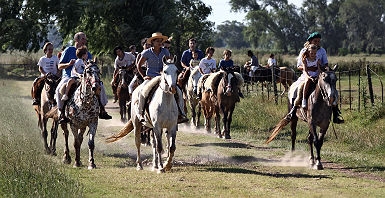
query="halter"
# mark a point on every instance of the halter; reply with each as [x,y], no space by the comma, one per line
[324,95]
[86,82]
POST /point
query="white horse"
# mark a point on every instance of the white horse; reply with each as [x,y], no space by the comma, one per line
[163,113]
[192,96]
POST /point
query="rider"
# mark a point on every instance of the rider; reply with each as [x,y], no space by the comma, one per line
[227,64]
[123,60]
[315,39]
[66,63]
[311,70]
[47,64]
[154,56]
[208,64]
[187,55]
[252,64]
[138,76]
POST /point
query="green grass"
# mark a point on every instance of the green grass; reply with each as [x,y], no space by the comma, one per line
[203,165]
[24,170]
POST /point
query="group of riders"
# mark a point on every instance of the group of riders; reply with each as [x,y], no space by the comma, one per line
[69,65]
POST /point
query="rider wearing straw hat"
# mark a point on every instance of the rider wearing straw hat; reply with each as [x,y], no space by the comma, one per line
[154,56]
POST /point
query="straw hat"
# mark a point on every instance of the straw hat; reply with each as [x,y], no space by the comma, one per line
[156,35]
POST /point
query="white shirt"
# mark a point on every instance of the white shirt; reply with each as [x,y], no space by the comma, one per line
[78,67]
[207,65]
[127,60]
[49,64]
[321,54]
[271,62]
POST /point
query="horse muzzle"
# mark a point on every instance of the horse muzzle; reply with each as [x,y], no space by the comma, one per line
[173,89]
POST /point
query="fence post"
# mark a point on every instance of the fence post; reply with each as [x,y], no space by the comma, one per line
[359,89]
[339,86]
[370,84]
[274,84]
[350,92]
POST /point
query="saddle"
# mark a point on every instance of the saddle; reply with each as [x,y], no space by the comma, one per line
[295,93]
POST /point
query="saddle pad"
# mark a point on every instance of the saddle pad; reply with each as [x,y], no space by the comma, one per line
[148,87]
[201,83]
[295,92]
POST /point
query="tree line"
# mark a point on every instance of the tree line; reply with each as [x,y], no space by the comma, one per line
[346,26]
[24,25]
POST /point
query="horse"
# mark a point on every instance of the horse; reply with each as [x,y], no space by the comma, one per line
[227,96]
[83,109]
[47,101]
[125,77]
[192,96]
[220,93]
[286,76]
[162,113]
[318,113]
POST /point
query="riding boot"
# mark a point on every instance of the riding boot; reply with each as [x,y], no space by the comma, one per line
[62,117]
[181,116]
[241,94]
[337,118]
[102,111]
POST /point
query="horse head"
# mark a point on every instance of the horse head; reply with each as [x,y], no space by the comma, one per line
[327,85]
[194,78]
[229,83]
[123,76]
[169,76]
[50,86]
[91,78]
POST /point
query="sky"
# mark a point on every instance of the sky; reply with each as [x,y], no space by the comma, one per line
[221,11]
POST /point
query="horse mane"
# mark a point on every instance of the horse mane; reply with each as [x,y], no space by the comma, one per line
[147,88]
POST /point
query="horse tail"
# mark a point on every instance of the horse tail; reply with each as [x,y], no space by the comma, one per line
[277,129]
[51,113]
[123,132]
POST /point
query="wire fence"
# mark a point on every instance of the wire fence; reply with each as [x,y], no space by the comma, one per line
[358,88]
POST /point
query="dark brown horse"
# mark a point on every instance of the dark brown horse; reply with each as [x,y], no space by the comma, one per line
[318,113]
[125,77]
[227,95]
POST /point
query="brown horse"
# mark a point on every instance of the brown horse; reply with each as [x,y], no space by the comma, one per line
[47,101]
[318,113]
[182,83]
[125,77]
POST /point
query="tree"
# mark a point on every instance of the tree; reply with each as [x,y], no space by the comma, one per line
[24,24]
[232,34]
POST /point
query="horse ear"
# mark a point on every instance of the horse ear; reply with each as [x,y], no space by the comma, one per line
[175,59]
[335,67]
[164,60]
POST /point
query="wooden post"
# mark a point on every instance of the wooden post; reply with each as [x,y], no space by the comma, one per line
[273,79]
[339,85]
[370,84]
[350,92]
[359,89]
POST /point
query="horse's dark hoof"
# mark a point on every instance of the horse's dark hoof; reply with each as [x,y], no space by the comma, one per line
[227,137]
[67,160]
[77,164]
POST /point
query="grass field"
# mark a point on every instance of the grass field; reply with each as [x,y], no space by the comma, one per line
[204,165]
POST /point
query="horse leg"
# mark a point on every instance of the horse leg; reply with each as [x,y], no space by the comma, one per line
[77,144]
[121,109]
[154,154]
[318,144]
[217,122]
[198,115]
[53,137]
[137,129]
[159,149]
[44,134]
[229,119]
[66,156]
[224,120]
[293,127]
[91,145]
[193,114]
[171,135]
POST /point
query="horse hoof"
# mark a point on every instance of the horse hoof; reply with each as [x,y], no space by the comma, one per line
[227,137]
[161,171]
[220,136]
[67,160]
[139,167]
[318,167]
[53,153]
[167,167]
[77,164]
[91,166]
